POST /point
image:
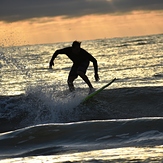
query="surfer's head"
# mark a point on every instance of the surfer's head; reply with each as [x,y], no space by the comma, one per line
[76,44]
[76,47]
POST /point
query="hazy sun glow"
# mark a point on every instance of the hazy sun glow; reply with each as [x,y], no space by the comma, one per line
[59,29]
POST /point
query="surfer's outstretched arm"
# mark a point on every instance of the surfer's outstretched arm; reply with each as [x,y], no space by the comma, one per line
[96,70]
[51,63]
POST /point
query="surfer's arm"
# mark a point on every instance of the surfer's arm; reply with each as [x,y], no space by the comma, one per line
[51,63]
[95,65]
[60,51]
[95,69]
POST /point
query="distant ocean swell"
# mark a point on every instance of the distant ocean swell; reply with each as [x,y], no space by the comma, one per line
[56,138]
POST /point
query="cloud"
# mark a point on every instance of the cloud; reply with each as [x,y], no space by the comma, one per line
[18,10]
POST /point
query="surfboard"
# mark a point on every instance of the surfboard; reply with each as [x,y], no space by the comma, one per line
[98,91]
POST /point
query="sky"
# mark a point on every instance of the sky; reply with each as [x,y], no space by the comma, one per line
[24,22]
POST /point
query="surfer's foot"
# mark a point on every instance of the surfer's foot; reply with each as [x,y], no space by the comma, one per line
[71,86]
[72,89]
[91,90]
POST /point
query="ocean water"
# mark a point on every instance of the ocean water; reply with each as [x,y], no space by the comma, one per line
[41,121]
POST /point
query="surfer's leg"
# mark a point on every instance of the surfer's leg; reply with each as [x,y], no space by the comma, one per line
[85,78]
[81,71]
[72,76]
[70,83]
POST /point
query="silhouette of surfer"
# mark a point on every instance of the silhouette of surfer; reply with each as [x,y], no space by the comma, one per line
[81,59]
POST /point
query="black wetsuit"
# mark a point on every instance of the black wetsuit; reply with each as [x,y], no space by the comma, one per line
[80,60]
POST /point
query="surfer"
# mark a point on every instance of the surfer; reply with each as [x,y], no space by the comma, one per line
[80,59]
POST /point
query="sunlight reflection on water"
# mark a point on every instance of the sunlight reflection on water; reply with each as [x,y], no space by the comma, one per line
[125,154]
[132,62]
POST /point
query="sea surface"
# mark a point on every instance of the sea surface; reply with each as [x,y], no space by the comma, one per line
[41,121]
